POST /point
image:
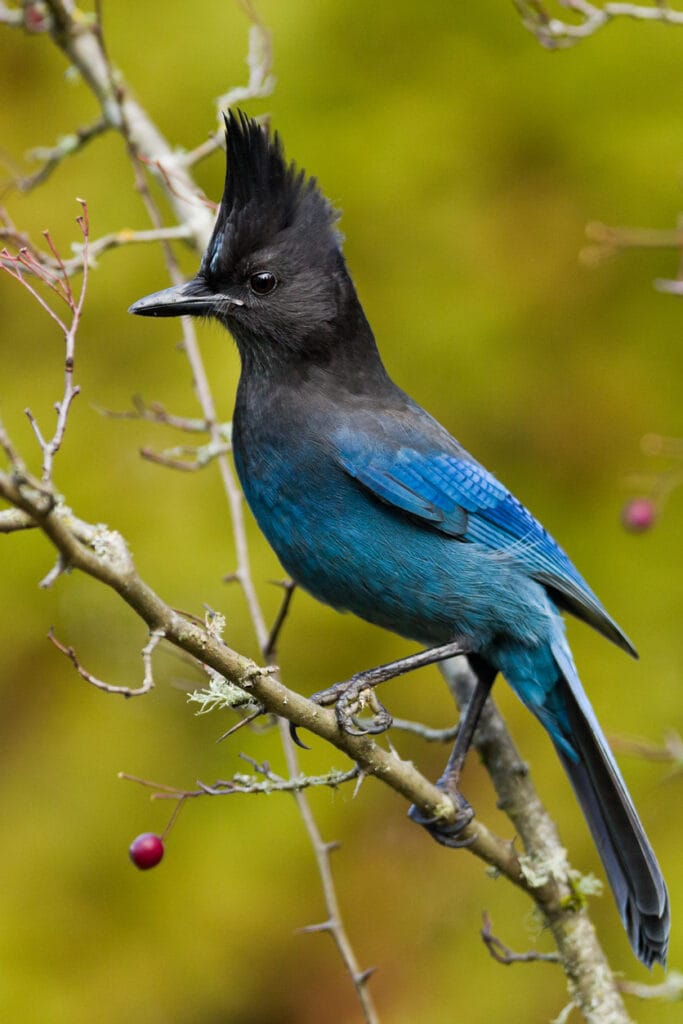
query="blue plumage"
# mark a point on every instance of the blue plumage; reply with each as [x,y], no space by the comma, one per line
[374,508]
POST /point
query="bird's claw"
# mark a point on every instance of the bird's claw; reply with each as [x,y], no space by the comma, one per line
[350,699]
[294,735]
[447,833]
[355,698]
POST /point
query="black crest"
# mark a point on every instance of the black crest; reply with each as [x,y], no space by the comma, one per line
[266,201]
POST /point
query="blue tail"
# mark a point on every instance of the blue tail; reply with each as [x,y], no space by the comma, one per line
[629,861]
[628,858]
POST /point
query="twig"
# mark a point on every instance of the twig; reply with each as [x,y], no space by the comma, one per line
[59,284]
[260,85]
[554,33]
[670,990]
[10,451]
[156,413]
[334,923]
[67,145]
[16,265]
[504,955]
[425,732]
[70,267]
[670,753]
[609,240]
[125,691]
[186,458]
[70,390]
[246,784]
[117,239]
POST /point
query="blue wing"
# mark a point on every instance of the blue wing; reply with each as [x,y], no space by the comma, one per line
[450,492]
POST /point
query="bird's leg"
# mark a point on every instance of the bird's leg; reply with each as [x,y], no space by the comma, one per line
[448,835]
[349,697]
[352,695]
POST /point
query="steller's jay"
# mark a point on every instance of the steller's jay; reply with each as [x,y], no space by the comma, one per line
[373,507]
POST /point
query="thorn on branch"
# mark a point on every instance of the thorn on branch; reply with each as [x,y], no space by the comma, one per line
[312,929]
[60,567]
[362,776]
[364,976]
[241,724]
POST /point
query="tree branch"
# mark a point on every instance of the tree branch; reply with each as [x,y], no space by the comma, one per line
[555,33]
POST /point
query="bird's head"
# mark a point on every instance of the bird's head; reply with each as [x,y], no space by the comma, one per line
[273,272]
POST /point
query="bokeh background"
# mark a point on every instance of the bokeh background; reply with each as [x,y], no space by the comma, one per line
[467,161]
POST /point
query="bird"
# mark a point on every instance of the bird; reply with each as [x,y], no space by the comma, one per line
[374,508]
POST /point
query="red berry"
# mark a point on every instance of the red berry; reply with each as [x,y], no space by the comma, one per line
[35,18]
[639,515]
[146,850]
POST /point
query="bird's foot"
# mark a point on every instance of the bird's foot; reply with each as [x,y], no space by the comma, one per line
[448,833]
[351,698]
[357,693]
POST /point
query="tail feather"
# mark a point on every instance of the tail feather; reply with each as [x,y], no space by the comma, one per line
[629,861]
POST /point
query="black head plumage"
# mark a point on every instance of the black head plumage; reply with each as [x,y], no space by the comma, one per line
[273,273]
[267,202]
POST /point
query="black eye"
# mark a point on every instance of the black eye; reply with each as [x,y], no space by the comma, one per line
[262,283]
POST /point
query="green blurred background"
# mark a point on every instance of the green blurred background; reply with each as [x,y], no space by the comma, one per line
[467,161]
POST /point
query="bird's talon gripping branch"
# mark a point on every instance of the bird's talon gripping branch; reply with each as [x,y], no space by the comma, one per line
[447,833]
[354,699]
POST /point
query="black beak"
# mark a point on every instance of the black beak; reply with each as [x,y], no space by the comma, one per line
[194,298]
